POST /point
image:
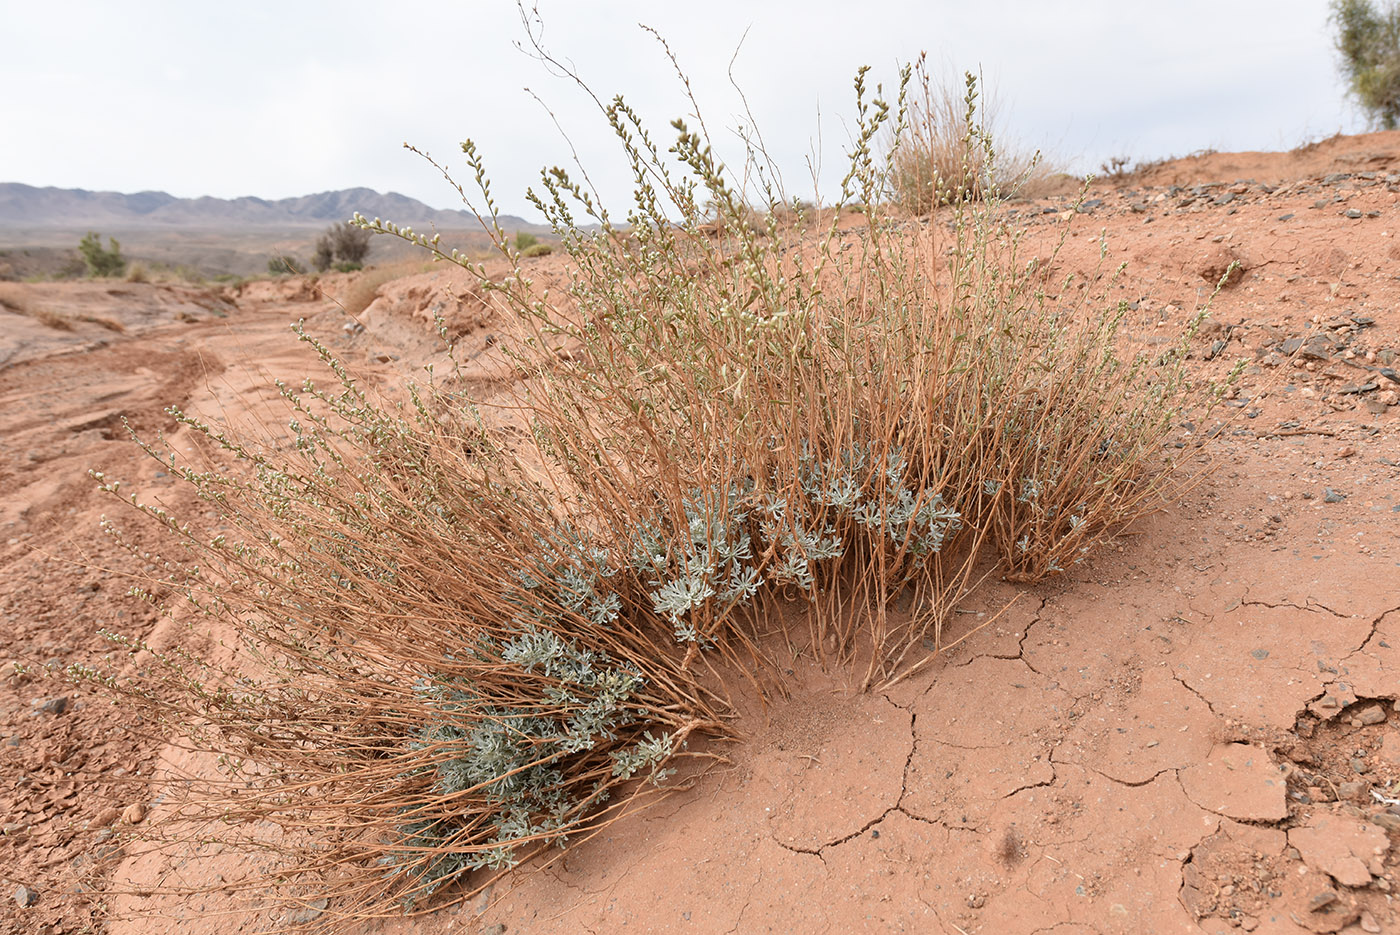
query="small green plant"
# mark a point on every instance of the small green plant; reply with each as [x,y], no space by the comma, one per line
[524,241]
[1368,40]
[100,262]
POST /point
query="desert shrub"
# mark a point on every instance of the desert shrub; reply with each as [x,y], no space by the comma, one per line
[460,636]
[137,273]
[938,153]
[323,255]
[283,265]
[349,243]
[101,262]
[1368,40]
[537,249]
[524,241]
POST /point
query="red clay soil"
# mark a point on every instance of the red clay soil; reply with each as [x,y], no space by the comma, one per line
[1196,731]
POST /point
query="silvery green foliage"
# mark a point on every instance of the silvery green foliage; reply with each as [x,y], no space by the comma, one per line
[516,758]
[707,559]
[568,573]
[797,542]
[711,559]
[880,500]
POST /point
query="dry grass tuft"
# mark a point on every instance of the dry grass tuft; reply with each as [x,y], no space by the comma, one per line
[362,288]
[45,316]
[942,151]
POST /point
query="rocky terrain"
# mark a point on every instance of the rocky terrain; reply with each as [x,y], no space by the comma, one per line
[1196,731]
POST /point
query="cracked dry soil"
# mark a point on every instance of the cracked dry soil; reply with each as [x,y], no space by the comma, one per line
[1194,732]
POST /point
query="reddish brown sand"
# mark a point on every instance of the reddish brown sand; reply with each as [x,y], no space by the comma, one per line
[1194,732]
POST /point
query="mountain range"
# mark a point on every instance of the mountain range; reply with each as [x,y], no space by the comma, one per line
[31,208]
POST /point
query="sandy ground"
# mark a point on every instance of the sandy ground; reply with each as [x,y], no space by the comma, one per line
[1196,731]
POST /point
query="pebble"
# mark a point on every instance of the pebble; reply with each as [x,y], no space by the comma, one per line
[1332,496]
[1351,791]
[1387,821]
[1359,765]
[1321,901]
[105,817]
[135,813]
[1368,922]
[1373,715]
[1353,213]
[309,913]
[25,896]
[55,705]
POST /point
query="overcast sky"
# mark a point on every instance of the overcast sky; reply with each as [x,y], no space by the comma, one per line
[289,98]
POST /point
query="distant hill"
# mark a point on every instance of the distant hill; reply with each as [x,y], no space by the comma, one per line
[27,207]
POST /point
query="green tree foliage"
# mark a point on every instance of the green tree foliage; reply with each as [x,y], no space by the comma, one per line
[1368,38]
[100,262]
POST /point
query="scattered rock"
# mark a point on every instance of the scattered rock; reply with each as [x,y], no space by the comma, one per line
[1386,820]
[1332,496]
[55,705]
[1375,714]
[1321,901]
[1338,847]
[308,913]
[1368,922]
[135,814]
[25,896]
[1353,213]
[1352,791]
[105,817]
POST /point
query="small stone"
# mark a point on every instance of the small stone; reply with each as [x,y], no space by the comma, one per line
[135,814]
[1351,791]
[1359,765]
[309,913]
[106,817]
[1346,452]
[1321,901]
[1332,496]
[55,705]
[1353,213]
[1387,821]
[1373,715]
[25,896]
[1368,922]
[1249,923]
